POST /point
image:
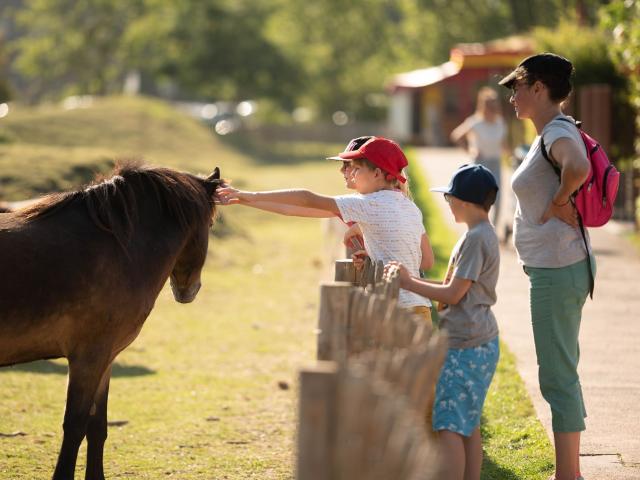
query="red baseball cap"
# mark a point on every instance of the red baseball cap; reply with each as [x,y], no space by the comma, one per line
[383,153]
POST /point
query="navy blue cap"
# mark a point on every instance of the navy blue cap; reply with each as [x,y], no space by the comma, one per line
[471,183]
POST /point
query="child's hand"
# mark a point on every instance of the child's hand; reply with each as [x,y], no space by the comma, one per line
[401,270]
[358,259]
[353,237]
[231,196]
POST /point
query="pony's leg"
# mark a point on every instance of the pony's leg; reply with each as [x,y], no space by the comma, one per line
[97,429]
[84,378]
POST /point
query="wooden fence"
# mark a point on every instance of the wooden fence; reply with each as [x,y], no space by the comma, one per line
[362,408]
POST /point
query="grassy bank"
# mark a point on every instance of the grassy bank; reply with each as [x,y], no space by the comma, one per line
[208,390]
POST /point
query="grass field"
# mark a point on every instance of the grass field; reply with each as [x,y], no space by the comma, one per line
[208,390]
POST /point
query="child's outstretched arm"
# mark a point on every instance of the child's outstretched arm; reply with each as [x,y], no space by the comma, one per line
[304,202]
[291,210]
[450,293]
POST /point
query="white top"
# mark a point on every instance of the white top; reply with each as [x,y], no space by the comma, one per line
[554,244]
[392,228]
[485,138]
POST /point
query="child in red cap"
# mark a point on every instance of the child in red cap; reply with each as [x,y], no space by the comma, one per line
[390,222]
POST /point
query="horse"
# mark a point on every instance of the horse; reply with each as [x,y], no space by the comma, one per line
[81,273]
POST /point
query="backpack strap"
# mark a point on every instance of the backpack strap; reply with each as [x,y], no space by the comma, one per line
[547,157]
[586,247]
[556,169]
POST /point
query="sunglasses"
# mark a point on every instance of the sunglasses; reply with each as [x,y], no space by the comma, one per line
[346,166]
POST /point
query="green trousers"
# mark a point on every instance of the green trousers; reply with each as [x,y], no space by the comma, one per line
[557,296]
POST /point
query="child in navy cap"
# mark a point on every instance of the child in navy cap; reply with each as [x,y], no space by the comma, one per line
[465,298]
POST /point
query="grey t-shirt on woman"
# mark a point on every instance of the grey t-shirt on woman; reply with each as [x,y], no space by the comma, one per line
[554,244]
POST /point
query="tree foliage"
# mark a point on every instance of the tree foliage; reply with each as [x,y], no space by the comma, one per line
[329,55]
[622,18]
[5,92]
[586,47]
[348,50]
[212,48]
[71,43]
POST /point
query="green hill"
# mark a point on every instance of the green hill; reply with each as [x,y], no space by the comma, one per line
[50,148]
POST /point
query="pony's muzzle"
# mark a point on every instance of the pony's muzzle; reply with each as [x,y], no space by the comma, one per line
[185,294]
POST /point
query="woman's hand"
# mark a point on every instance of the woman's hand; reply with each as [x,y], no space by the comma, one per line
[231,196]
[574,170]
[566,212]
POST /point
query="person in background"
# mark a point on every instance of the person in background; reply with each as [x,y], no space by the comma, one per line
[550,246]
[465,298]
[483,135]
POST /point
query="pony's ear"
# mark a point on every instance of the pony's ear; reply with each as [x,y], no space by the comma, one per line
[215,175]
[213,181]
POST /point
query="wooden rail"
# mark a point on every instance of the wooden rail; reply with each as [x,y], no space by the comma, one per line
[362,408]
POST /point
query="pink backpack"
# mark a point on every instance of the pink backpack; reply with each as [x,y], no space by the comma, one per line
[595,198]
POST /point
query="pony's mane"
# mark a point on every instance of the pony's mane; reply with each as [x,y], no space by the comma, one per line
[114,202]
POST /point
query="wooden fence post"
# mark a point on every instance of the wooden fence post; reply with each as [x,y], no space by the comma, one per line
[345,271]
[333,321]
[317,422]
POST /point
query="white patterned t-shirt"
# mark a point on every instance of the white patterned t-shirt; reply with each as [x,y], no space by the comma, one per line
[392,228]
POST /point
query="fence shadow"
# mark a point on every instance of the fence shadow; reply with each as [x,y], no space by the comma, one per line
[490,469]
[48,367]
[493,471]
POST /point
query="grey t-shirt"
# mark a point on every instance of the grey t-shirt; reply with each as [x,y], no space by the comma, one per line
[475,257]
[554,244]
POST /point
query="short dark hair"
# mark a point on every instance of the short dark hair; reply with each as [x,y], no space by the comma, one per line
[490,199]
[558,83]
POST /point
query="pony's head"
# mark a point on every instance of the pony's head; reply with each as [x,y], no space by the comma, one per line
[185,276]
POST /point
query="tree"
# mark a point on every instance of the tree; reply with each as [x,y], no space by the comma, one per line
[73,45]
[211,48]
[482,20]
[5,93]
[622,18]
[348,50]
[219,49]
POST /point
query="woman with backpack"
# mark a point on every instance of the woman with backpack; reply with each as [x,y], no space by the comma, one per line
[550,245]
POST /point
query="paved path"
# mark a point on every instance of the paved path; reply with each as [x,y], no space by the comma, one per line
[609,339]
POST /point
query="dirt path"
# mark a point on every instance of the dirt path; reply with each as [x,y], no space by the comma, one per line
[609,339]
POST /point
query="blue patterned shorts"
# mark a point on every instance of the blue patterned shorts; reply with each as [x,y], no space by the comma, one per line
[462,387]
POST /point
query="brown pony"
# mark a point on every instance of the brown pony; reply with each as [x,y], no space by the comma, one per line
[80,274]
